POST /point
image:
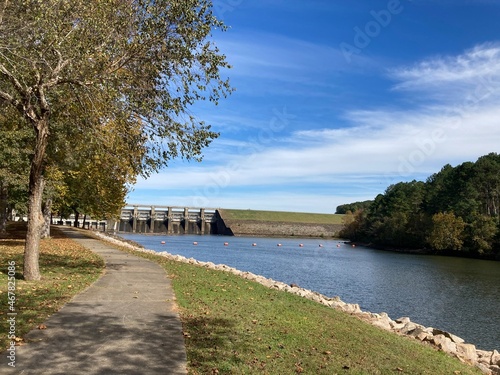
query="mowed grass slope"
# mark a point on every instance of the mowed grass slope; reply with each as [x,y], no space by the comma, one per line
[235,326]
[281,216]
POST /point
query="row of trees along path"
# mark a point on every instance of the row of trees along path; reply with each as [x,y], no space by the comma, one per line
[95,93]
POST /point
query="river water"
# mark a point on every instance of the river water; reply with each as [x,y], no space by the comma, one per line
[458,295]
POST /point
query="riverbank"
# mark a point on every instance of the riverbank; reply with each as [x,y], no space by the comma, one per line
[457,254]
[429,336]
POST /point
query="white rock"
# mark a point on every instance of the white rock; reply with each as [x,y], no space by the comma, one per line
[403,320]
[445,344]
[495,358]
[467,352]
[484,356]
[495,369]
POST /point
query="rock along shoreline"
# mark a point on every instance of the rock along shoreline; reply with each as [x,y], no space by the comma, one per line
[487,361]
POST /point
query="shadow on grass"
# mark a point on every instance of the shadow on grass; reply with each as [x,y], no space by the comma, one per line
[211,343]
[15,231]
[53,260]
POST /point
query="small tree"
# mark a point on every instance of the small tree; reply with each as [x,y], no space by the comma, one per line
[481,233]
[447,232]
[353,224]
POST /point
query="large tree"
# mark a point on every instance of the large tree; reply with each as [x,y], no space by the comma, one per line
[145,61]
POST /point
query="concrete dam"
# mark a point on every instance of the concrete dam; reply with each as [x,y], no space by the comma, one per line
[194,220]
[170,220]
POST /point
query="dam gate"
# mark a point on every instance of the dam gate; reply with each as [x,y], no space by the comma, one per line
[166,219]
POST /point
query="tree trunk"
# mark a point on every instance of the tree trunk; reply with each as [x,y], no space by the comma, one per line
[3,207]
[47,214]
[77,217]
[35,191]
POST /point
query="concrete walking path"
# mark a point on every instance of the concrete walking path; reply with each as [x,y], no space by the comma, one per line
[125,323]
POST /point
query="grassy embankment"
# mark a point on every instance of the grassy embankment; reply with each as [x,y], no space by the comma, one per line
[67,268]
[282,216]
[236,326]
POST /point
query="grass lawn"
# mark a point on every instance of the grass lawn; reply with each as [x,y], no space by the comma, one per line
[281,216]
[67,268]
[235,326]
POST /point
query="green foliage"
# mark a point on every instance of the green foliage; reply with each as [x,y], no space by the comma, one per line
[353,225]
[456,209]
[353,207]
[15,151]
[447,232]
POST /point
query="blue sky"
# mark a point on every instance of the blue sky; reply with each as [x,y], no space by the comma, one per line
[336,100]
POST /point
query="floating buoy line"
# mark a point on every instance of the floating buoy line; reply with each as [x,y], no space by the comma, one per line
[254,244]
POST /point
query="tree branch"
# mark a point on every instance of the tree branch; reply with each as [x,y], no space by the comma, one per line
[2,10]
[4,71]
[10,99]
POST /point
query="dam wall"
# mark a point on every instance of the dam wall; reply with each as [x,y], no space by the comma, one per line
[281,229]
[195,220]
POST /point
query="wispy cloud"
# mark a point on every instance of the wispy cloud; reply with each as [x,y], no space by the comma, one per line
[273,56]
[378,146]
[462,71]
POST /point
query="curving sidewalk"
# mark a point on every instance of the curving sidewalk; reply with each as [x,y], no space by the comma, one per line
[125,323]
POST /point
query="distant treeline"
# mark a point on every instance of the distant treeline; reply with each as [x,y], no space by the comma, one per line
[353,207]
[455,210]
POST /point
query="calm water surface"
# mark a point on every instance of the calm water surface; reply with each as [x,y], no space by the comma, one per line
[458,295]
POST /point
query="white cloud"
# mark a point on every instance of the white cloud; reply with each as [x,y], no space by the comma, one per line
[380,147]
[473,67]
[276,57]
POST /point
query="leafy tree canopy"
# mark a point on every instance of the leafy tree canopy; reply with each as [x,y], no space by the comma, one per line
[455,210]
[69,69]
